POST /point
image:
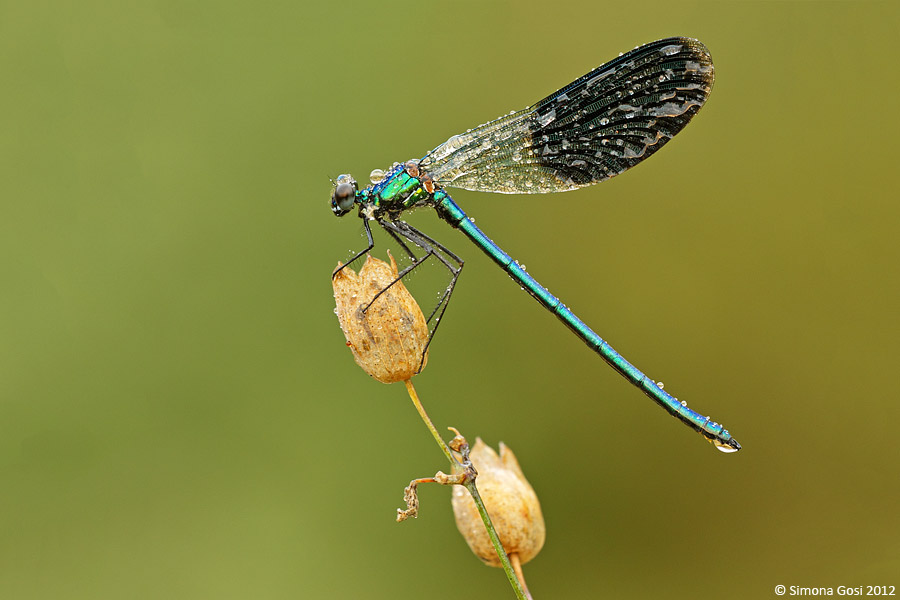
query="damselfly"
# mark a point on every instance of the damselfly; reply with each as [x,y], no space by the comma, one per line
[596,127]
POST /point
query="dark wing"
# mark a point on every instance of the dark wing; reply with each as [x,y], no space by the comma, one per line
[594,128]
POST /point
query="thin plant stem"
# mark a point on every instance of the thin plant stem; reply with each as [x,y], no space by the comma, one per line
[429,424]
[517,567]
[469,483]
[495,540]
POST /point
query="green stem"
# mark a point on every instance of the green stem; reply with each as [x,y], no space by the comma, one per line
[501,553]
[470,485]
[429,424]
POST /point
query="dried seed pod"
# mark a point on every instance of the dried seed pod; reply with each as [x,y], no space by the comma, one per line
[389,337]
[510,501]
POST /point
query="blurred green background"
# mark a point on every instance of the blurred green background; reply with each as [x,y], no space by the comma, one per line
[180,415]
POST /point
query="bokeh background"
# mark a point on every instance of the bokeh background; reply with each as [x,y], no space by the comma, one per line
[180,417]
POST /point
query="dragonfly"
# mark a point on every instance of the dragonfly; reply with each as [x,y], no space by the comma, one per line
[595,128]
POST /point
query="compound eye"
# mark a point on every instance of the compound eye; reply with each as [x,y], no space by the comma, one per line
[344,195]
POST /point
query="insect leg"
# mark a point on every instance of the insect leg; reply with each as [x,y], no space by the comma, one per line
[403,245]
[361,253]
[443,254]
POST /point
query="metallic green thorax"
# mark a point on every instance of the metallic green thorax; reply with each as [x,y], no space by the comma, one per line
[398,192]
